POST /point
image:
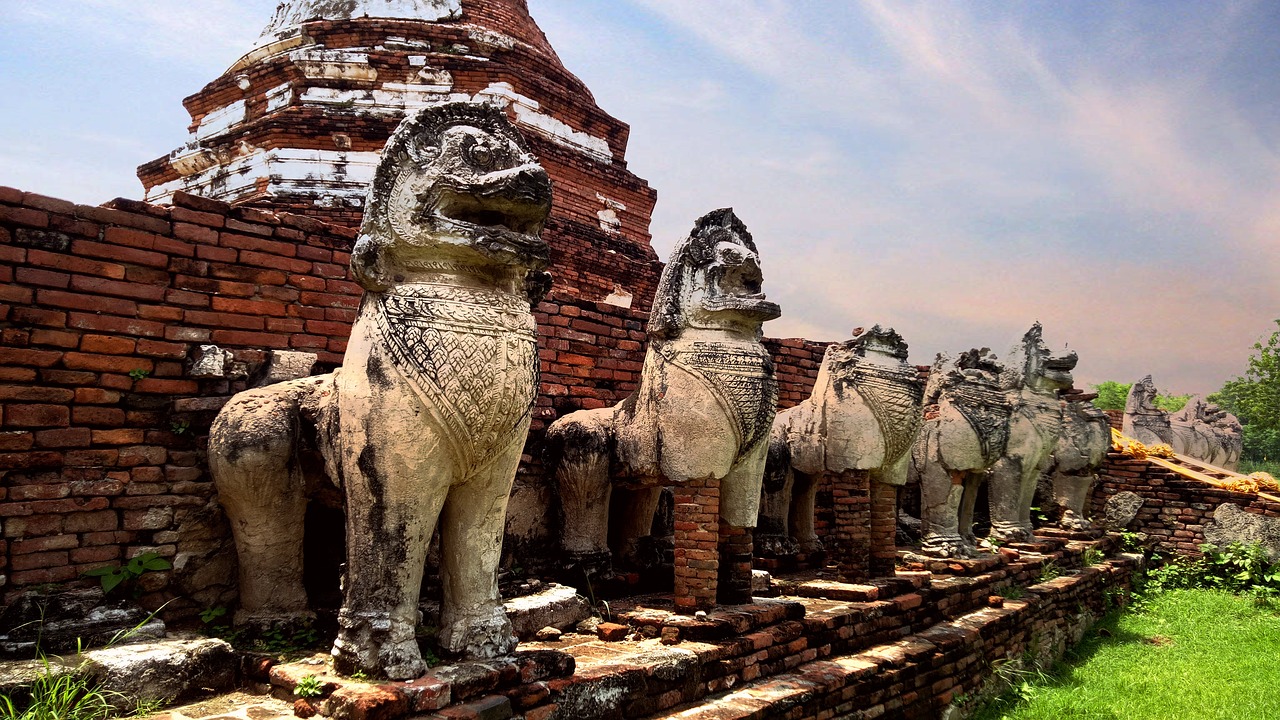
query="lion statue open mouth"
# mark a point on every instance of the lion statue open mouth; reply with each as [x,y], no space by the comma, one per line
[426,420]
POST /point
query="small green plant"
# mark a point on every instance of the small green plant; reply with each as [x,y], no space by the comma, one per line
[1130,541]
[1012,592]
[360,675]
[208,615]
[309,687]
[126,576]
[139,373]
[65,695]
[279,640]
[1092,556]
[179,426]
[1050,571]
[147,706]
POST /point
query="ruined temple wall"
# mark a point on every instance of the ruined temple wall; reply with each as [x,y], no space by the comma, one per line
[1175,509]
[102,429]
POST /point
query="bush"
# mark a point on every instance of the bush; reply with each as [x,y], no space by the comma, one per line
[1238,568]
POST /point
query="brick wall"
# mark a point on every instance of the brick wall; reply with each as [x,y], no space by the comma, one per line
[1175,508]
[102,429]
[100,425]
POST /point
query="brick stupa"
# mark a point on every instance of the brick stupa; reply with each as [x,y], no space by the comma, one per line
[298,122]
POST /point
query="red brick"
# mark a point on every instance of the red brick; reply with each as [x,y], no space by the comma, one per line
[92,522]
[103,286]
[330,300]
[57,338]
[249,307]
[39,316]
[155,348]
[156,386]
[120,253]
[22,356]
[24,216]
[44,278]
[74,264]
[243,242]
[98,554]
[44,544]
[196,233]
[119,436]
[37,416]
[63,438]
[162,313]
[130,238]
[13,294]
[121,325]
[78,301]
[97,416]
[250,339]
[106,363]
[109,344]
[96,396]
[26,393]
[223,320]
[33,561]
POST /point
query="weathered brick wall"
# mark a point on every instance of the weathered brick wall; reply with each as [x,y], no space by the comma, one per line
[1175,508]
[100,425]
[102,429]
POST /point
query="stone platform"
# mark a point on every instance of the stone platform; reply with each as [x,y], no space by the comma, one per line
[911,646]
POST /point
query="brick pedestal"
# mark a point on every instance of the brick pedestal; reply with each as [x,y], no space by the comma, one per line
[850,545]
[697,541]
[884,529]
[735,565]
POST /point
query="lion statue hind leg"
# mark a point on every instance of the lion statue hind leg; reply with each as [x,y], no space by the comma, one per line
[260,483]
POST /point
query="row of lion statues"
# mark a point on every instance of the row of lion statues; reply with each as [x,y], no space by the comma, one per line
[423,426]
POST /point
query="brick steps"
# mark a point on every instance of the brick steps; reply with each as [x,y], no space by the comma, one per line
[771,640]
[919,675]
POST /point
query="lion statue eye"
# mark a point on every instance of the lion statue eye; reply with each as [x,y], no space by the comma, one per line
[481,156]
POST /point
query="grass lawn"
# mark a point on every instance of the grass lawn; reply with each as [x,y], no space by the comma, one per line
[1189,654]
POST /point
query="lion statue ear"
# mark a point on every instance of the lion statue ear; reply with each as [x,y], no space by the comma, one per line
[420,154]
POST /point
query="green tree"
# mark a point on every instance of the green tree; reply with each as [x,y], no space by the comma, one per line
[1255,399]
[1111,395]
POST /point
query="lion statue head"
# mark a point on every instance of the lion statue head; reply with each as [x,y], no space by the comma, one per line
[1031,364]
[457,191]
[713,282]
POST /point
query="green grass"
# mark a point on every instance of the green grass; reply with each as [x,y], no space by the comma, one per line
[1199,654]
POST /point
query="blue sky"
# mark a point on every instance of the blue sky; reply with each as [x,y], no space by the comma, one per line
[955,170]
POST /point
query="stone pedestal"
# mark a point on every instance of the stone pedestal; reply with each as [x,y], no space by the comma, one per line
[697,540]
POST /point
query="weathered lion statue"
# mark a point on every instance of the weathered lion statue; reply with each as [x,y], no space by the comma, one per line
[1199,430]
[1082,447]
[703,410]
[427,418]
[863,415]
[1033,377]
[965,432]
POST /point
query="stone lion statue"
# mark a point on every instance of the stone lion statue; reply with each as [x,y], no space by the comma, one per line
[703,410]
[1200,430]
[863,415]
[965,432]
[1143,420]
[1082,448]
[1032,379]
[426,420]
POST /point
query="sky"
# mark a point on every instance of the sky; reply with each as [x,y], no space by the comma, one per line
[955,170]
